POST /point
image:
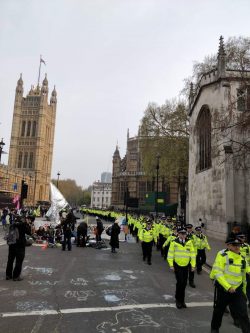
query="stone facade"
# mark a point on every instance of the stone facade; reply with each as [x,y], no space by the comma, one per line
[32,142]
[219,190]
[128,175]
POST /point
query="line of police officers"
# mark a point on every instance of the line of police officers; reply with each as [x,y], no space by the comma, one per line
[186,251]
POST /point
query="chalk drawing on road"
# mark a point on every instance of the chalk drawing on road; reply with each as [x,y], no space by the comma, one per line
[43,283]
[81,295]
[3,289]
[167,297]
[132,277]
[41,270]
[33,306]
[79,282]
[128,272]
[123,296]
[124,321]
[113,277]
[111,298]
[17,293]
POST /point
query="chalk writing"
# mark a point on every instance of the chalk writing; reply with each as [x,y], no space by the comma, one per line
[79,282]
[81,295]
[126,320]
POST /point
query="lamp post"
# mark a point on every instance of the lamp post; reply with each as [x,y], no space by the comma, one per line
[2,144]
[103,194]
[58,175]
[157,183]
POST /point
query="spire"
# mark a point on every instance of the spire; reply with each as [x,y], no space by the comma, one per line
[45,88]
[191,94]
[116,153]
[127,134]
[19,87]
[221,51]
[221,58]
[53,98]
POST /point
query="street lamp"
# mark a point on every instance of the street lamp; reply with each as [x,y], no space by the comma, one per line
[2,144]
[58,175]
[157,183]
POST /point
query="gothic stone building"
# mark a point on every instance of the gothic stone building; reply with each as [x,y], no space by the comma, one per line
[219,181]
[31,145]
[129,177]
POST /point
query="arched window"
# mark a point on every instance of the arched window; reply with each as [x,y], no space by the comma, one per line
[34,128]
[31,161]
[204,139]
[28,128]
[25,160]
[20,159]
[23,128]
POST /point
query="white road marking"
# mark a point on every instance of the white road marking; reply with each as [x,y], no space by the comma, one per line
[206,270]
[101,309]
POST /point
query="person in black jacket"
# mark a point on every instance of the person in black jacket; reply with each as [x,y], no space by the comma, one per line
[82,234]
[99,229]
[68,227]
[114,240]
[17,250]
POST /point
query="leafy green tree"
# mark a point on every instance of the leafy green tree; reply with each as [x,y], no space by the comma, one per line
[164,131]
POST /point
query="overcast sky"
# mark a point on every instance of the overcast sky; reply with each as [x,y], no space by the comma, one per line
[108,60]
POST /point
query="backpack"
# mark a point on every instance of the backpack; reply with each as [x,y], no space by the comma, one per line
[108,231]
[13,235]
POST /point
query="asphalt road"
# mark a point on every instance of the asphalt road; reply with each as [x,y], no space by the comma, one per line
[90,290]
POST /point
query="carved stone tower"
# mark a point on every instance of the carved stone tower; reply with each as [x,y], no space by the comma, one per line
[32,138]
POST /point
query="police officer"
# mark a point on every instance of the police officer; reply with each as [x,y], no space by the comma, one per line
[147,236]
[181,253]
[229,273]
[191,236]
[245,252]
[201,245]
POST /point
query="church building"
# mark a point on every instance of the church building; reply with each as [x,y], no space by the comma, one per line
[219,161]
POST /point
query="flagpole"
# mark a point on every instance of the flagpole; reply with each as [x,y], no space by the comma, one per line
[39,72]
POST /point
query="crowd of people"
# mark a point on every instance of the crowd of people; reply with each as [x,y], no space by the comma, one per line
[182,246]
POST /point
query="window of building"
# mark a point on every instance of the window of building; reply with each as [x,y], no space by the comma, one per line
[243,99]
[31,160]
[28,128]
[25,160]
[23,128]
[34,128]
[20,159]
[204,139]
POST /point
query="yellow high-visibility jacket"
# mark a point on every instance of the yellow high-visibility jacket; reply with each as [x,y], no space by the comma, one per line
[169,240]
[148,236]
[201,242]
[245,252]
[182,254]
[229,270]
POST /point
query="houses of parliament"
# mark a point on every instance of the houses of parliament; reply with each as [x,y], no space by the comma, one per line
[31,145]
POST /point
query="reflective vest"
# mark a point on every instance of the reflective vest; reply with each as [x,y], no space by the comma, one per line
[147,236]
[229,270]
[169,240]
[245,252]
[181,254]
[201,242]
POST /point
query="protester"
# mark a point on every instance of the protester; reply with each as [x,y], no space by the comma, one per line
[17,250]
[114,240]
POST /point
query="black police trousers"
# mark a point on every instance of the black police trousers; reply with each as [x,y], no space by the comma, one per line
[15,253]
[237,304]
[181,275]
[200,259]
[147,250]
